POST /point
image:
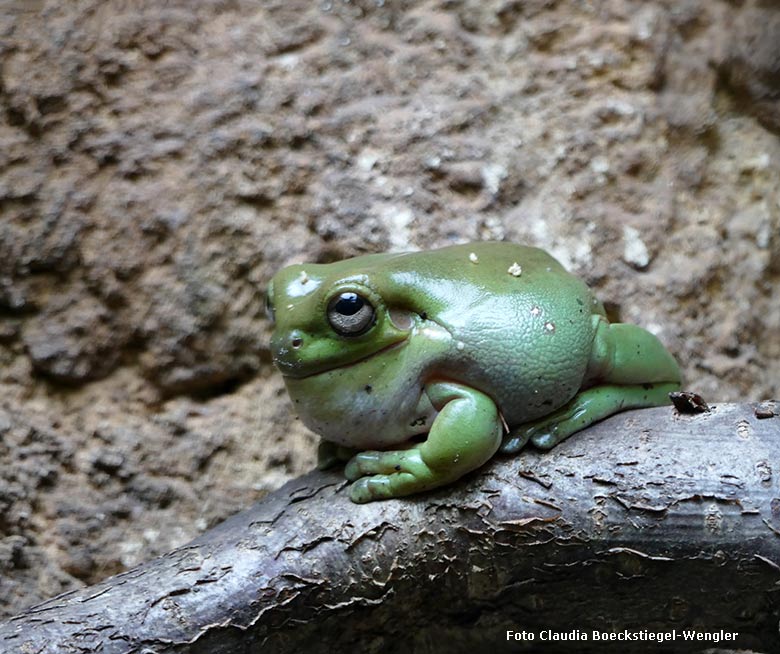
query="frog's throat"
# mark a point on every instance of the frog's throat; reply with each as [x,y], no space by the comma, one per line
[387,348]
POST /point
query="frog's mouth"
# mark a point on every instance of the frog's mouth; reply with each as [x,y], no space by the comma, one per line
[290,370]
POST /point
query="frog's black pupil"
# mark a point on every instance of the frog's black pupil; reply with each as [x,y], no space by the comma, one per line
[349,304]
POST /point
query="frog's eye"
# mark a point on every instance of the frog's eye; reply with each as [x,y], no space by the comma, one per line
[351,314]
[269,307]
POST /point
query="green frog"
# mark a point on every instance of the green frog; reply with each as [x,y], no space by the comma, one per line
[418,367]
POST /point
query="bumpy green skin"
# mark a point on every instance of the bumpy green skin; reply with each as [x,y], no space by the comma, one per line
[460,348]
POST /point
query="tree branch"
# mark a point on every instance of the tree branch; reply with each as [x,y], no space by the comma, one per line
[647,521]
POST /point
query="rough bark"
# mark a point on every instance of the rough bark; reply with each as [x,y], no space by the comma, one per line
[648,521]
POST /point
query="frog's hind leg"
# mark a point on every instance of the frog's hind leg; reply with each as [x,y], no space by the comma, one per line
[628,369]
[584,409]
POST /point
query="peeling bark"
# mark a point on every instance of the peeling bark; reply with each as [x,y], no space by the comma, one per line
[647,521]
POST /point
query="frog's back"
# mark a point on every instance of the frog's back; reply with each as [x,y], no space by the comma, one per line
[522,326]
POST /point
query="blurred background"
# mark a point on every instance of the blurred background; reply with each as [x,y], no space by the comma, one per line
[159,161]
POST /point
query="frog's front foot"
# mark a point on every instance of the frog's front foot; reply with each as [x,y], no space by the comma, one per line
[382,475]
[463,436]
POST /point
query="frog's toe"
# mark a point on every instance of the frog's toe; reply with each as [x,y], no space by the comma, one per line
[548,439]
[366,489]
[374,463]
[384,463]
[544,434]
[515,441]
[359,465]
[379,487]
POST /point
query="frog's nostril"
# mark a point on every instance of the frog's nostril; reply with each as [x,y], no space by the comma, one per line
[296,342]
